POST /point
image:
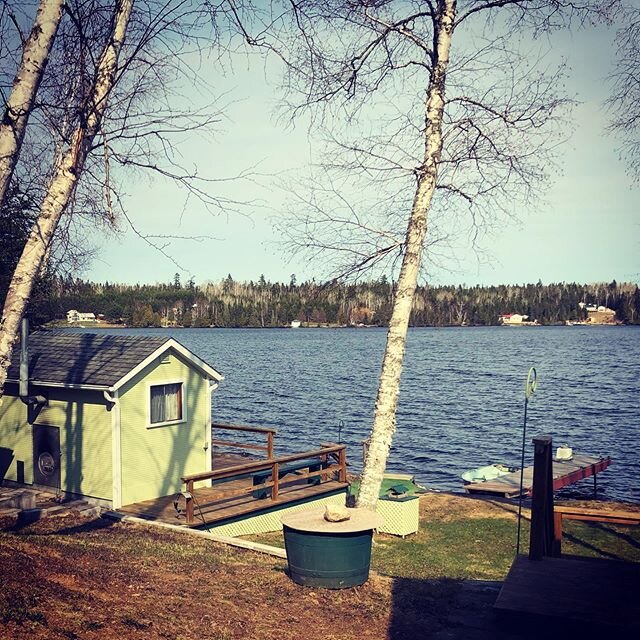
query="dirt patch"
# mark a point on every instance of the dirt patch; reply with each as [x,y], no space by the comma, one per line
[448,507]
[79,579]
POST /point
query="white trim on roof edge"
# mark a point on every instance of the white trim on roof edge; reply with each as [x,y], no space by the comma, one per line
[64,385]
[204,368]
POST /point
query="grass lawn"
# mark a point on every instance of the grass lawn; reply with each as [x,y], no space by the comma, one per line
[469,538]
[67,578]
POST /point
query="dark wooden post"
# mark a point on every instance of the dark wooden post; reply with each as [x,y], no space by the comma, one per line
[270,445]
[324,463]
[541,539]
[557,533]
[343,464]
[189,501]
[275,473]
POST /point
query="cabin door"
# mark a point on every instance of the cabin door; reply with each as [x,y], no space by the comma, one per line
[46,455]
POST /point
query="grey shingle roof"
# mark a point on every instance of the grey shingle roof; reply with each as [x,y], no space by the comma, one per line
[83,358]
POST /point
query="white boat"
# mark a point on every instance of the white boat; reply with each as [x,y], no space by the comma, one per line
[490,472]
[295,324]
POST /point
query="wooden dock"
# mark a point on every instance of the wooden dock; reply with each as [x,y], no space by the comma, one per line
[565,472]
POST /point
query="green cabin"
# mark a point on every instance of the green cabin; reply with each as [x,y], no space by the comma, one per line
[114,418]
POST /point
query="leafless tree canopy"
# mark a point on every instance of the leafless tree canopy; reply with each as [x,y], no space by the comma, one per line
[161,96]
[361,70]
[625,99]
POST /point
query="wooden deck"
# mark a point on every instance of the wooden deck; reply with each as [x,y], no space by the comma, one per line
[212,507]
[564,473]
[590,591]
[233,493]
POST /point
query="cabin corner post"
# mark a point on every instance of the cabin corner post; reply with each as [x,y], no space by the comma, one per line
[541,541]
[208,427]
[113,399]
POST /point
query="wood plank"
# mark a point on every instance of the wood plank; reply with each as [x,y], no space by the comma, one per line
[240,427]
[586,590]
[568,511]
[241,445]
[215,512]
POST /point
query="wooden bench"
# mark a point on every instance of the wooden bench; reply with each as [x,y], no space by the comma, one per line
[260,477]
[589,515]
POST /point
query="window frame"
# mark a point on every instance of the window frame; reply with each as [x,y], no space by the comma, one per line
[162,383]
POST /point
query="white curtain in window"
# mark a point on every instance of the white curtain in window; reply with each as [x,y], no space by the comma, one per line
[166,402]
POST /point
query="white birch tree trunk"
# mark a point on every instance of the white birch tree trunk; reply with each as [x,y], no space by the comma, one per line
[384,423]
[67,171]
[35,54]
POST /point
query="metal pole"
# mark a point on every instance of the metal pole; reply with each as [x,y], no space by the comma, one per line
[529,390]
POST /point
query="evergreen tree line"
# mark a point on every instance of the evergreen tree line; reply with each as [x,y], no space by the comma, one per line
[230,303]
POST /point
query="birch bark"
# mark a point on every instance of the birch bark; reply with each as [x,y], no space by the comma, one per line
[66,173]
[384,424]
[35,54]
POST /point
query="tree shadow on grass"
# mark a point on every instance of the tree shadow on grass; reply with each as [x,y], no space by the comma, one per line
[584,544]
[609,530]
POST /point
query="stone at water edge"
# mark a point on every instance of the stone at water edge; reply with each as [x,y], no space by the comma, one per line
[336,513]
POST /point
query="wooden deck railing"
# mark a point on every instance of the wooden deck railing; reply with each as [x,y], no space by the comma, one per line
[332,459]
[270,433]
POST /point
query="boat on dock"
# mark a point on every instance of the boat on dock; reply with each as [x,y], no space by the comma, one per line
[564,473]
[489,472]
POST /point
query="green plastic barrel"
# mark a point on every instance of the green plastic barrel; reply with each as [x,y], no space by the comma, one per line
[330,560]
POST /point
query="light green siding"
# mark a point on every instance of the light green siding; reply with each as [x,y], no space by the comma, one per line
[16,444]
[85,439]
[155,458]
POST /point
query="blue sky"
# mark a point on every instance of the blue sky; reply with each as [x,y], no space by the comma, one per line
[587,229]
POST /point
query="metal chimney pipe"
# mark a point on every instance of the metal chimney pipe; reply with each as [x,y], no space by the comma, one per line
[24,359]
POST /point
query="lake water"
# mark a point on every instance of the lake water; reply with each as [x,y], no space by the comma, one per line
[462,395]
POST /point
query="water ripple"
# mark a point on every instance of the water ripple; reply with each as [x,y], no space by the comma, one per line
[461,400]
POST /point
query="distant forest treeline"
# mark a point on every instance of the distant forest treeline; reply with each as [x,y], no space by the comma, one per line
[265,304]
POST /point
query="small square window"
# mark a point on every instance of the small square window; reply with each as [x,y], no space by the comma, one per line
[166,403]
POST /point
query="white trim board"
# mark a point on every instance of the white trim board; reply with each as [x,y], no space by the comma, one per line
[116,453]
[191,358]
[183,394]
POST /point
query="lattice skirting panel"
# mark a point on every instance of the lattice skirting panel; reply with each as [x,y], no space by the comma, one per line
[401,517]
[270,520]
